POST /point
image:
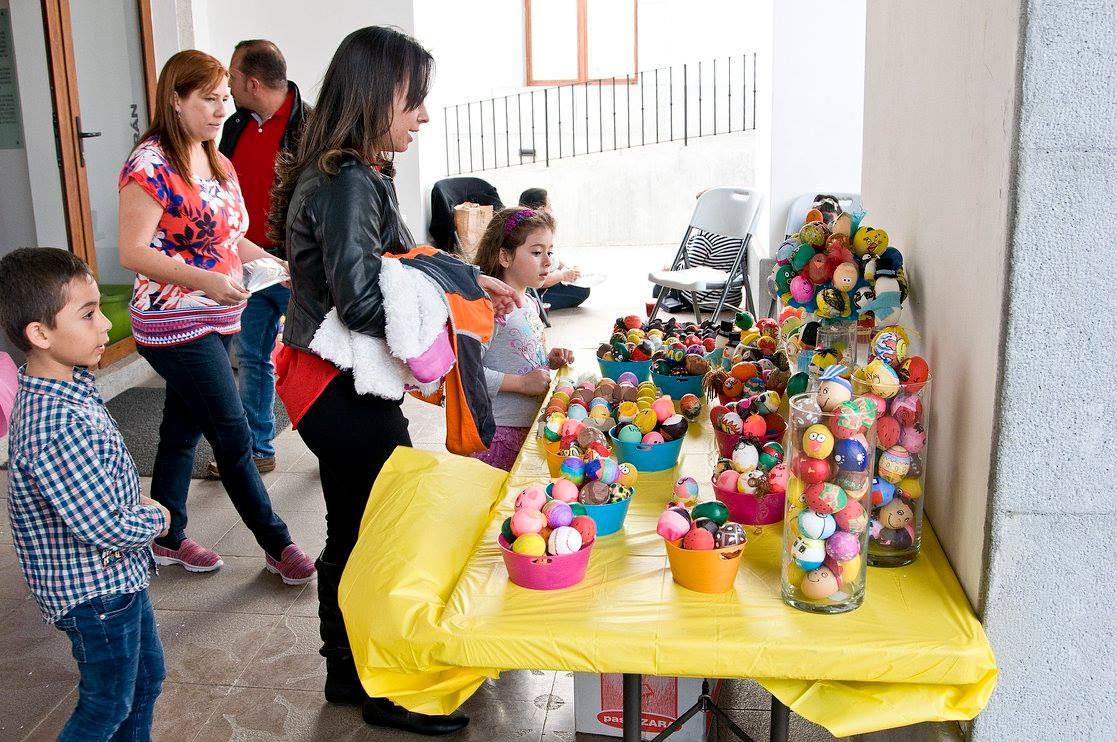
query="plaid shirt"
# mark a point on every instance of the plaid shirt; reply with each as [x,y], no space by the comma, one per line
[74,497]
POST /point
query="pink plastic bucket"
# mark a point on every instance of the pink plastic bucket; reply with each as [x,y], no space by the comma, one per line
[751,510]
[726,441]
[545,572]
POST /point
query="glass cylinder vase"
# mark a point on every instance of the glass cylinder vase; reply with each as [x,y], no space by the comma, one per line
[830,445]
[898,494]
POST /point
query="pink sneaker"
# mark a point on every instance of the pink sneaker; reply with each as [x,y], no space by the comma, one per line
[190,554]
[294,566]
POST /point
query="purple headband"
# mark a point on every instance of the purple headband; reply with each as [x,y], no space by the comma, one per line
[513,221]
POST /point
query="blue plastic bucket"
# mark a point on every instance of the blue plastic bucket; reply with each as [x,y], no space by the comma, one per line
[648,456]
[677,386]
[614,369]
[610,517]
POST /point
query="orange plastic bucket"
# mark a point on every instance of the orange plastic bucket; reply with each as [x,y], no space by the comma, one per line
[707,571]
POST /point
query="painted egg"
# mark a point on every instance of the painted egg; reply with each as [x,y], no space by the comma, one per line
[850,455]
[916,372]
[870,408]
[730,534]
[882,378]
[882,492]
[770,455]
[629,434]
[564,490]
[894,464]
[619,493]
[733,387]
[906,408]
[585,526]
[819,584]
[825,498]
[627,475]
[843,546]
[530,544]
[777,478]
[564,540]
[833,303]
[852,517]
[574,469]
[909,488]
[870,241]
[809,553]
[664,408]
[818,441]
[698,539]
[691,407]
[805,412]
[672,524]
[812,471]
[818,270]
[816,525]
[846,421]
[784,251]
[686,489]
[754,426]
[814,233]
[855,484]
[571,427]
[653,437]
[626,412]
[750,483]
[732,423]
[526,520]
[891,346]
[802,290]
[800,256]
[646,420]
[727,480]
[845,277]
[558,513]
[896,514]
[913,438]
[532,498]
[594,493]
[715,510]
[674,427]
[745,457]
[628,378]
[888,432]
[833,392]
[916,469]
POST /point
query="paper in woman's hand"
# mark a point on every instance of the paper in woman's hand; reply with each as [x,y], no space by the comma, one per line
[262,273]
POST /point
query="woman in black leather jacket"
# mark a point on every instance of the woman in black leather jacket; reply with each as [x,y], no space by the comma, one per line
[335,207]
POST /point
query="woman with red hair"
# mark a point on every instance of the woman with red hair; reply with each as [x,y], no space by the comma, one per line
[182,226]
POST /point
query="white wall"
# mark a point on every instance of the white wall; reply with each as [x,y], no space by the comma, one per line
[17,217]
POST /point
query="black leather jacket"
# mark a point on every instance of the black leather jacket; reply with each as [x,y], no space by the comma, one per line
[337,228]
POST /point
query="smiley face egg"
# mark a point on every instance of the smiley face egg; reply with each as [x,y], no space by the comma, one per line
[818,441]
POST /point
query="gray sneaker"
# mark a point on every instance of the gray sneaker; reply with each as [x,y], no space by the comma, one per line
[264,464]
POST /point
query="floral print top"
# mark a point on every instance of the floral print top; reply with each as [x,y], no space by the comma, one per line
[202,222]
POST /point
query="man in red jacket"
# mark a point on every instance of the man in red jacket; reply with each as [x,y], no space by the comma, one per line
[269,119]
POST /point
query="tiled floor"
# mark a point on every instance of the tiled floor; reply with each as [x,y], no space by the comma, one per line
[241,649]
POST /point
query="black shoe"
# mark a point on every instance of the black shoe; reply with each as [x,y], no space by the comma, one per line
[342,684]
[380,712]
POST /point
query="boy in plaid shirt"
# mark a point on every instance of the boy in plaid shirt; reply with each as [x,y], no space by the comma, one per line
[81,529]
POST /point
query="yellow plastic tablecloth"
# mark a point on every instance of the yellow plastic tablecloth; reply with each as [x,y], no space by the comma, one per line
[431,612]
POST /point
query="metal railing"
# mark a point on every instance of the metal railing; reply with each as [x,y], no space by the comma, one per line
[665,104]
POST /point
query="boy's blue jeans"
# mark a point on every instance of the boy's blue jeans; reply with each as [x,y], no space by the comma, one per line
[259,325]
[120,660]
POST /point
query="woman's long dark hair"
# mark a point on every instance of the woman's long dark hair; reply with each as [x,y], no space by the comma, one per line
[352,115]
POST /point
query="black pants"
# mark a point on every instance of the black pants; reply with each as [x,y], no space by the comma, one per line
[352,435]
[564,296]
[202,399]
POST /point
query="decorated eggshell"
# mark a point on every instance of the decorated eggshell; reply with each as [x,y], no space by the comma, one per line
[845,277]
[585,526]
[890,344]
[564,540]
[851,455]
[750,483]
[818,441]
[686,490]
[619,492]
[745,457]
[812,471]
[532,498]
[805,412]
[558,513]
[627,474]
[574,469]
[855,484]
[870,241]
[526,520]
[816,525]
[672,525]
[843,546]
[882,378]
[653,437]
[732,423]
[674,427]
[825,498]
[629,434]
[894,464]
[715,510]
[895,514]
[626,412]
[916,469]
[846,421]
[594,493]
[628,378]
[646,420]
[698,539]
[870,407]
[833,390]
[906,408]
[691,407]
[727,480]
[909,488]
[809,553]
[913,438]
[564,490]
[530,544]
[888,432]
[852,517]
[882,492]
[771,454]
[916,373]
[730,534]
[802,290]
[777,478]
[819,584]
[663,408]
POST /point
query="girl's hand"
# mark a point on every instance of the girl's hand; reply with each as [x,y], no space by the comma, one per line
[224,289]
[534,383]
[559,357]
[503,296]
[569,275]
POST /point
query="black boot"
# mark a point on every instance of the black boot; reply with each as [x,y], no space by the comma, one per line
[342,683]
[380,712]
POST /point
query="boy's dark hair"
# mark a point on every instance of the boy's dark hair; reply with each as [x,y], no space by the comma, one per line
[262,59]
[33,284]
[534,198]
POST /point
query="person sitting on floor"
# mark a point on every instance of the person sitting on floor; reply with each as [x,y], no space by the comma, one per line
[558,291]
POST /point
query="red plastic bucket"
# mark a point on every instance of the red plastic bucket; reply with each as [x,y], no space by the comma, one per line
[545,572]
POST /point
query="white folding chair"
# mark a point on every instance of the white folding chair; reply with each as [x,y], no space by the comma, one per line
[727,211]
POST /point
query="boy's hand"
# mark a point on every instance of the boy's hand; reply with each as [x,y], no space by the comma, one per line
[144,500]
[559,357]
[536,382]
